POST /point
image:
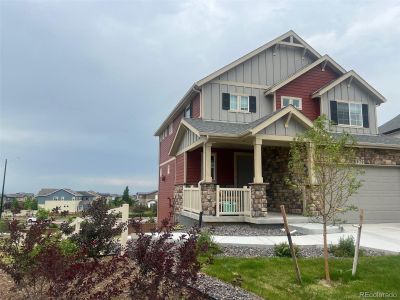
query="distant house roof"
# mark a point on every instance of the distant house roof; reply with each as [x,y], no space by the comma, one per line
[49,191]
[390,126]
[146,193]
[20,195]
[85,194]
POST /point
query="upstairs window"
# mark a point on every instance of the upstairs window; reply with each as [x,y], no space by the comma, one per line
[239,103]
[188,111]
[170,129]
[296,102]
[349,113]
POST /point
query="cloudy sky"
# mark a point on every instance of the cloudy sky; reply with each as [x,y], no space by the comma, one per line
[84,84]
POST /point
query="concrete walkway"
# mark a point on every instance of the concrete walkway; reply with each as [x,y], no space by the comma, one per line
[378,236]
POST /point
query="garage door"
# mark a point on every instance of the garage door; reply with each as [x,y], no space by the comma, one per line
[379,196]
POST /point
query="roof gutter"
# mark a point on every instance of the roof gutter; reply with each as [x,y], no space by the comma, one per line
[179,106]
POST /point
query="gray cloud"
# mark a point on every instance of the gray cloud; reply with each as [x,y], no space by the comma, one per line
[85,84]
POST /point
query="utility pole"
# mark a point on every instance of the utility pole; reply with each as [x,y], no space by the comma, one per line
[2,191]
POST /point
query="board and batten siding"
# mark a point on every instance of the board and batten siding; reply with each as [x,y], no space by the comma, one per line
[188,138]
[264,69]
[278,128]
[351,93]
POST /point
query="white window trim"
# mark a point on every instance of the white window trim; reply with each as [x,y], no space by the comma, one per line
[238,103]
[291,101]
[349,125]
[168,170]
[170,129]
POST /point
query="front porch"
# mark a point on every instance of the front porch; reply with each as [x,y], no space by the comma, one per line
[239,178]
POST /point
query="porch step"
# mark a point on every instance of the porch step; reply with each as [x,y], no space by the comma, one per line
[314,228]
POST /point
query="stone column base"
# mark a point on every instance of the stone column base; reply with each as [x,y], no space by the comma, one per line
[208,198]
[258,195]
[178,198]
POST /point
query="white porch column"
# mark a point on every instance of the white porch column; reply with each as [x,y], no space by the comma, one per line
[207,162]
[257,161]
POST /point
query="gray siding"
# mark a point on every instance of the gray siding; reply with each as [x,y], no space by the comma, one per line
[188,138]
[263,69]
[353,93]
[394,134]
[59,194]
[278,128]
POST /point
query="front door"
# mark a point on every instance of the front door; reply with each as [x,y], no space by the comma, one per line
[244,169]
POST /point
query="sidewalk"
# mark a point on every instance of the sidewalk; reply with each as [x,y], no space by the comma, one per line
[378,236]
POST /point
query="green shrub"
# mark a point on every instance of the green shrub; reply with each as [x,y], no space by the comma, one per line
[68,247]
[283,250]
[4,225]
[42,214]
[53,225]
[206,248]
[345,247]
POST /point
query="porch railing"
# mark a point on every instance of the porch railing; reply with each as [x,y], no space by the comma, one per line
[191,199]
[233,201]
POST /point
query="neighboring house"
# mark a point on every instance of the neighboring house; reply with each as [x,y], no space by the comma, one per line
[224,148]
[147,198]
[64,199]
[109,197]
[391,128]
[20,197]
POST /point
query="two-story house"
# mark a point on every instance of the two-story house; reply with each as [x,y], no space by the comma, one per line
[64,199]
[224,148]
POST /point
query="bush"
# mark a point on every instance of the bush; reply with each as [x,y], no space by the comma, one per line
[53,225]
[345,247]
[42,214]
[283,250]
[206,248]
[4,224]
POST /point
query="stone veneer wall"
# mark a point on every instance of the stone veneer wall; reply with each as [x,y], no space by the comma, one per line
[383,157]
[178,198]
[259,199]
[275,169]
[208,199]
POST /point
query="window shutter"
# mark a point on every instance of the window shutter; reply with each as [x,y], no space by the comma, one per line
[365,115]
[334,117]
[252,104]
[225,101]
[191,110]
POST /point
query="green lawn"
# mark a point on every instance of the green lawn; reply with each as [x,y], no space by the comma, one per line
[274,278]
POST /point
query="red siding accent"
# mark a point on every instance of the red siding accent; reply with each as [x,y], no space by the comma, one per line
[180,169]
[304,86]
[165,144]
[166,190]
[196,107]
[193,163]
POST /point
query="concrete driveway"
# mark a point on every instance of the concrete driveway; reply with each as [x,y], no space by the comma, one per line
[378,236]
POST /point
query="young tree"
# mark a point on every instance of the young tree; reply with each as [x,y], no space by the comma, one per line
[42,214]
[15,208]
[125,197]
[99,230]
[329,174]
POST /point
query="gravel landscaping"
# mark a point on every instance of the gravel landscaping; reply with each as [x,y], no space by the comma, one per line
[217,289]
[246,230]
[305,251]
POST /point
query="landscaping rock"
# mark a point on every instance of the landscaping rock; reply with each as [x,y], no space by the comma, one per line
[217,289]
[246,230]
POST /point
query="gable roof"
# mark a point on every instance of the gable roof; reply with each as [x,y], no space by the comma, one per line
[324,59]
[297,41]
[215,128]
[278,40]
[350,74]
[390,126]
[46,192]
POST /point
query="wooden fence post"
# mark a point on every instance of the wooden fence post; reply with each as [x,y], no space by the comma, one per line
[294,258]
[355,261]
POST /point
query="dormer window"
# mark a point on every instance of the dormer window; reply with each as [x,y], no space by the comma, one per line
[296,102]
